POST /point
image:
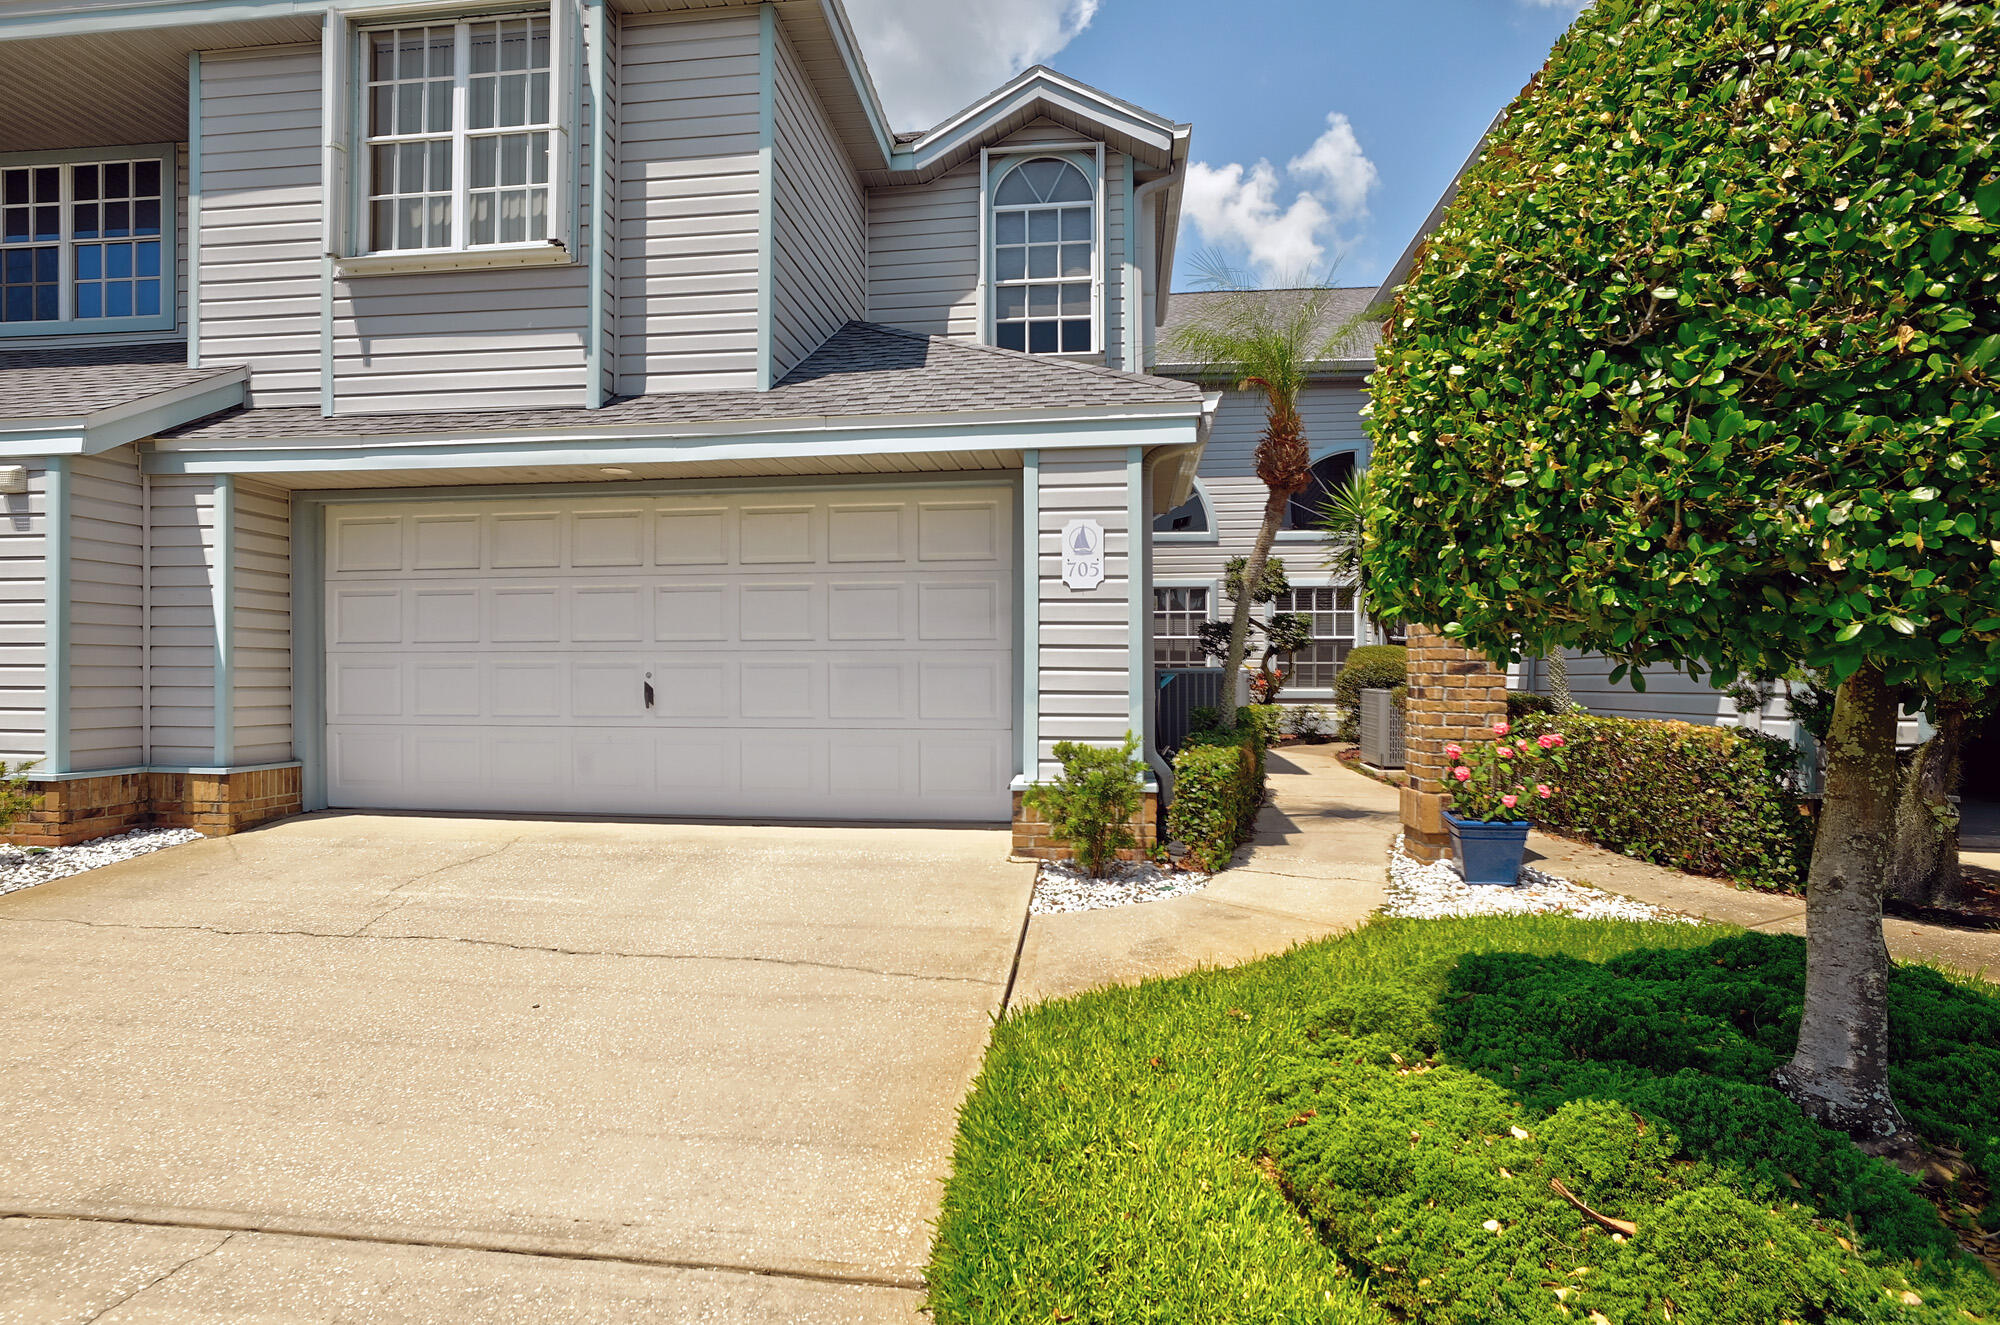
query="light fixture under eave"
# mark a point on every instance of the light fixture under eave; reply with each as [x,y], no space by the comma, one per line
[616,471]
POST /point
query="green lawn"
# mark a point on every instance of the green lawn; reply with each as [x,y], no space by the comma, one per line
[1145,1154]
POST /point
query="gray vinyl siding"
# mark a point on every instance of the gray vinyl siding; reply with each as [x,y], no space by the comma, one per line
[1084,635]
[260,219]
[820,223]
[688,225]
[923,255]
[106,661]
[24,620]
[182,667]
[1228,474]
[263,624]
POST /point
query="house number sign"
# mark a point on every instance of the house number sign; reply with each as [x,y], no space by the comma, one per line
[1083,554]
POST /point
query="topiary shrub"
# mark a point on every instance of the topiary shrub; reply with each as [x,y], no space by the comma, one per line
[1219,786]
[1090,805]
[1370,667]
[1718,801]
[1526,703]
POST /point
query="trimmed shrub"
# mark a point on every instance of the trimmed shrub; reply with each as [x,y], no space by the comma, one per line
[1526,703]
[1709,800]
[1090,807]
[1219,787]
[1370,667]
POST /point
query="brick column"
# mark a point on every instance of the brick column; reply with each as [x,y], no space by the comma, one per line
[1455,695]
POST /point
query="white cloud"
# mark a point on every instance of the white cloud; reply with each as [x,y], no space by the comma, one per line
[1237,208]
[932,57]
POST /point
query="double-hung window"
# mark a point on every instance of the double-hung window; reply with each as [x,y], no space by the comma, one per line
[1044,259]
[87,244]
[1179,613]
[1331,616]
[462,127]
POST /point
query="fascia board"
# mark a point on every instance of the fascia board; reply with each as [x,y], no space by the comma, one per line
[150,14]
[963,130]
[369,453]
[835,16]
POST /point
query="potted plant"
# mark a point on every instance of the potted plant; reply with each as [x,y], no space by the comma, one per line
[1492,788]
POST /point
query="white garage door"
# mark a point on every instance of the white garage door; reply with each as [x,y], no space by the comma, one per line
[841,654]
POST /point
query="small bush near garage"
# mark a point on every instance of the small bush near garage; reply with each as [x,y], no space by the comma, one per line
[1370,667]
[1219,787]
[1710,800]
[1091,805]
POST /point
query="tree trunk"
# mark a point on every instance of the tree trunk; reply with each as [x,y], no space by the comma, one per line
[1239,623]
[1558,669]
[1840,1074]
[1926,871]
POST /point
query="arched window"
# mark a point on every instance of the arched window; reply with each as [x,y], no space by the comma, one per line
[1190,517]
[1309,507]
[1044,232]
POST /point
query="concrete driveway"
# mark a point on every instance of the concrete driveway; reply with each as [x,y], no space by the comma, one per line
[372,1067]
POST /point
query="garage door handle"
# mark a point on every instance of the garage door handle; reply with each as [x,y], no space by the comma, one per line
[649,694]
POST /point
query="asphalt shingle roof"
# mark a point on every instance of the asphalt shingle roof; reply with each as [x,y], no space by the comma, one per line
[862,369]
[1187,307]
[81,380]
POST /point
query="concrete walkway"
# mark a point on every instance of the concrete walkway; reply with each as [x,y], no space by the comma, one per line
[395,1068]
[1316,867]
[1975,952]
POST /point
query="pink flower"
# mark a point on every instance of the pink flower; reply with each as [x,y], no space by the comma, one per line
[1542,790]
[1452,752]
[1556,738]
[1508,801]
[1461,772]
[1504,751]
[1501,729]
[1548,741]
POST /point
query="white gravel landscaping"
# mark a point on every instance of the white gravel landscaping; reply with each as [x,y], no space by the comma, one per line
[24,867]
[1436,892]
[1060,886]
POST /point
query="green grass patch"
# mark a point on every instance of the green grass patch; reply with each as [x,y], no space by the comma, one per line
[1321,1136]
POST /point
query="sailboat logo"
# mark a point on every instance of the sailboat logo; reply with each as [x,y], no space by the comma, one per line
[1085,541]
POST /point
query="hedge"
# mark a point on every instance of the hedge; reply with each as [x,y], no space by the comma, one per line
[1709,800]
[1219,787]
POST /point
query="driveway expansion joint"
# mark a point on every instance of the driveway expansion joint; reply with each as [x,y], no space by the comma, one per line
[357,936]
[472,1242]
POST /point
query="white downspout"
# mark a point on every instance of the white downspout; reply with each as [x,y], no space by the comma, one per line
[1140,336]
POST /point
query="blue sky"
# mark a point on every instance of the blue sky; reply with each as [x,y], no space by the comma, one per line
[1409,85]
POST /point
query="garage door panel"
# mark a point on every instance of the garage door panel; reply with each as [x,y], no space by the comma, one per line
[839,654]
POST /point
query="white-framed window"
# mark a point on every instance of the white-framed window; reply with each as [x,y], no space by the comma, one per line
[461,125]
[87,241]
[1045,258]
[1332,615]
[1193,521]
[1179,612]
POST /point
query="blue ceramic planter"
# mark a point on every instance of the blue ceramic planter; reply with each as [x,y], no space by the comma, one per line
[1488,852]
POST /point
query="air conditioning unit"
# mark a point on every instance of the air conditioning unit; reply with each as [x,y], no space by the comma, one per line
[1381,729]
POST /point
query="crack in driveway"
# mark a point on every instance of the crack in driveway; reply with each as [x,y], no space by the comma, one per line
[357,936]
[160,1279]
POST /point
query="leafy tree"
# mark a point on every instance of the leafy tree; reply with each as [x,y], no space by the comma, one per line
[1285,633]
[1699,369]
[1266,341]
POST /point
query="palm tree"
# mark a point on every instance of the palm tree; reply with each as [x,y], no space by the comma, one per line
[1268,341]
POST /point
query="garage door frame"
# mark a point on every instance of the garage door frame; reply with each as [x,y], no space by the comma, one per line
[309,701]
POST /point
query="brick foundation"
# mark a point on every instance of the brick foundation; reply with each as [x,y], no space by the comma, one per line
[213,804]
[1454,695]
[1032,840]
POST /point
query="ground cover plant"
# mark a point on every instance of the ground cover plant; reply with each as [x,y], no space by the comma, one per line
[1229,1146]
